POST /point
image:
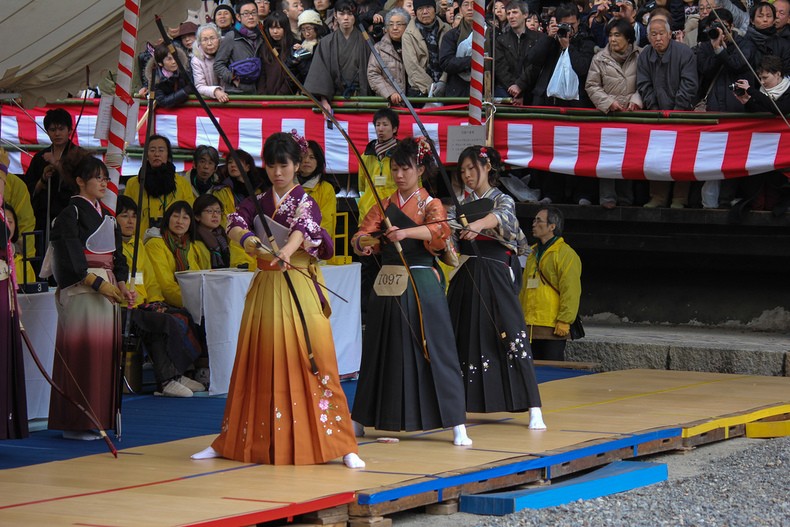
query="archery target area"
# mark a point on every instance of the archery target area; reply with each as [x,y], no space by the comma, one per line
[593,420]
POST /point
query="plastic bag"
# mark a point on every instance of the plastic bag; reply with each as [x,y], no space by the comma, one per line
[564,83]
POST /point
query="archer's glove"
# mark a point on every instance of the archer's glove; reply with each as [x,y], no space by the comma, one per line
[254,247]
[103,287]
[562,329]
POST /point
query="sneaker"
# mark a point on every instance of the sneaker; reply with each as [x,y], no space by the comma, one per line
[653,204]
[544,201]
[175,389]
[677,204]
[81,435]
[193,386]
[585,202]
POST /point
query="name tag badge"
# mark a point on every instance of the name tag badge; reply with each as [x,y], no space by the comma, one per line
[533,283]
[392,280]
[380,181]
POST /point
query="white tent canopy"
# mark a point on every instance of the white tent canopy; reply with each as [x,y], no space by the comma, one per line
[45,45]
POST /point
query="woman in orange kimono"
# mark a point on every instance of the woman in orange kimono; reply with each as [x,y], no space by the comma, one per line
[279,412]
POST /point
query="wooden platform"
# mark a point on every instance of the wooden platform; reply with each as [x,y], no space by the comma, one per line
[592,420]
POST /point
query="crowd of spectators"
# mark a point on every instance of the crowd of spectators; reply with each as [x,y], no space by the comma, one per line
[618,55]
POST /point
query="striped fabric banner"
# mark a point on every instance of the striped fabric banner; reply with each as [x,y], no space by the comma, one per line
[120,106]
[476,83]
[615,150]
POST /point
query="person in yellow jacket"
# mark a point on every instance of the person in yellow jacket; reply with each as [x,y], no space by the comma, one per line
[215,249]
[311,177]
[162,187]
[145,280]
[377,160]
[551,287]
[17,195]
[24,271]
[174,251]
[168,333]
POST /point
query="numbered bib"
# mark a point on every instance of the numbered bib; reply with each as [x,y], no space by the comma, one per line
[392,280]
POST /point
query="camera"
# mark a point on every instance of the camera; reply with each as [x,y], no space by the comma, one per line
[301,53]
[377,32]
[614,8]
[737,90]
[564,30]
[713,30]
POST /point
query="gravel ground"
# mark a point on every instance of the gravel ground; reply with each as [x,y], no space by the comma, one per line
[739,482]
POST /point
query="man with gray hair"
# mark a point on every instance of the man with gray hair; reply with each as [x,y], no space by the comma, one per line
[666,77]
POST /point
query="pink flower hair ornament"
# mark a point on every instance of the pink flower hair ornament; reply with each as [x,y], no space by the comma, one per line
[300,140]
[423,148]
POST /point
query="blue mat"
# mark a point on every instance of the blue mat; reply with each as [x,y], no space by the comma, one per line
[149,420]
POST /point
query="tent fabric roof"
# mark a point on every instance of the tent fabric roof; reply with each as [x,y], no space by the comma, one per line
[45,45]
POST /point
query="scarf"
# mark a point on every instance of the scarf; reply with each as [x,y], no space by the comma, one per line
[250,34]
[542,248]
[217,242]
[179,246]
[201,186]
[160,181]
[621,57]
[309,181]
[778,90]
[430,35]
[381,148]
[760,37]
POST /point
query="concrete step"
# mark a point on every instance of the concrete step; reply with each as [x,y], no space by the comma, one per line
[688,348]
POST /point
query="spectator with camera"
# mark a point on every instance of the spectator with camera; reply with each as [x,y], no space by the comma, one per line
[768,191]
[238,63]
[667,79]
[597,18]
[611,85]
[312,29]
[340,60]
[719,65]
[421,51]
[390,48]
[627,10]
[511,52]
[561,86]
[564,37]
[762,34]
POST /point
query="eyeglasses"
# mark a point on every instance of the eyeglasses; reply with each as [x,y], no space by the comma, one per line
[209,39]
[212,212]
[247,14]
[103,179]
[396,24]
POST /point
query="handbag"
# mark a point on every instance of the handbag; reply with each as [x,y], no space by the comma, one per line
[247,70]
[577,329]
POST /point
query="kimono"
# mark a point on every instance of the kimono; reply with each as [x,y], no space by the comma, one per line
[399,389]
[279,412]
[492,337]
[88,338]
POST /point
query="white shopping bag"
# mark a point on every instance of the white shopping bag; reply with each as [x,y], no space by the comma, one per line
[564,83]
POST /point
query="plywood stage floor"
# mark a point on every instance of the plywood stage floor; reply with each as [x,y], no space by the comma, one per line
[592,420]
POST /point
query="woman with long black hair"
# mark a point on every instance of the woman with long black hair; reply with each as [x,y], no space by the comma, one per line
[90,269]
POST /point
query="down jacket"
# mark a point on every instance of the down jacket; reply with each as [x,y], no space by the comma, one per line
[609,81]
